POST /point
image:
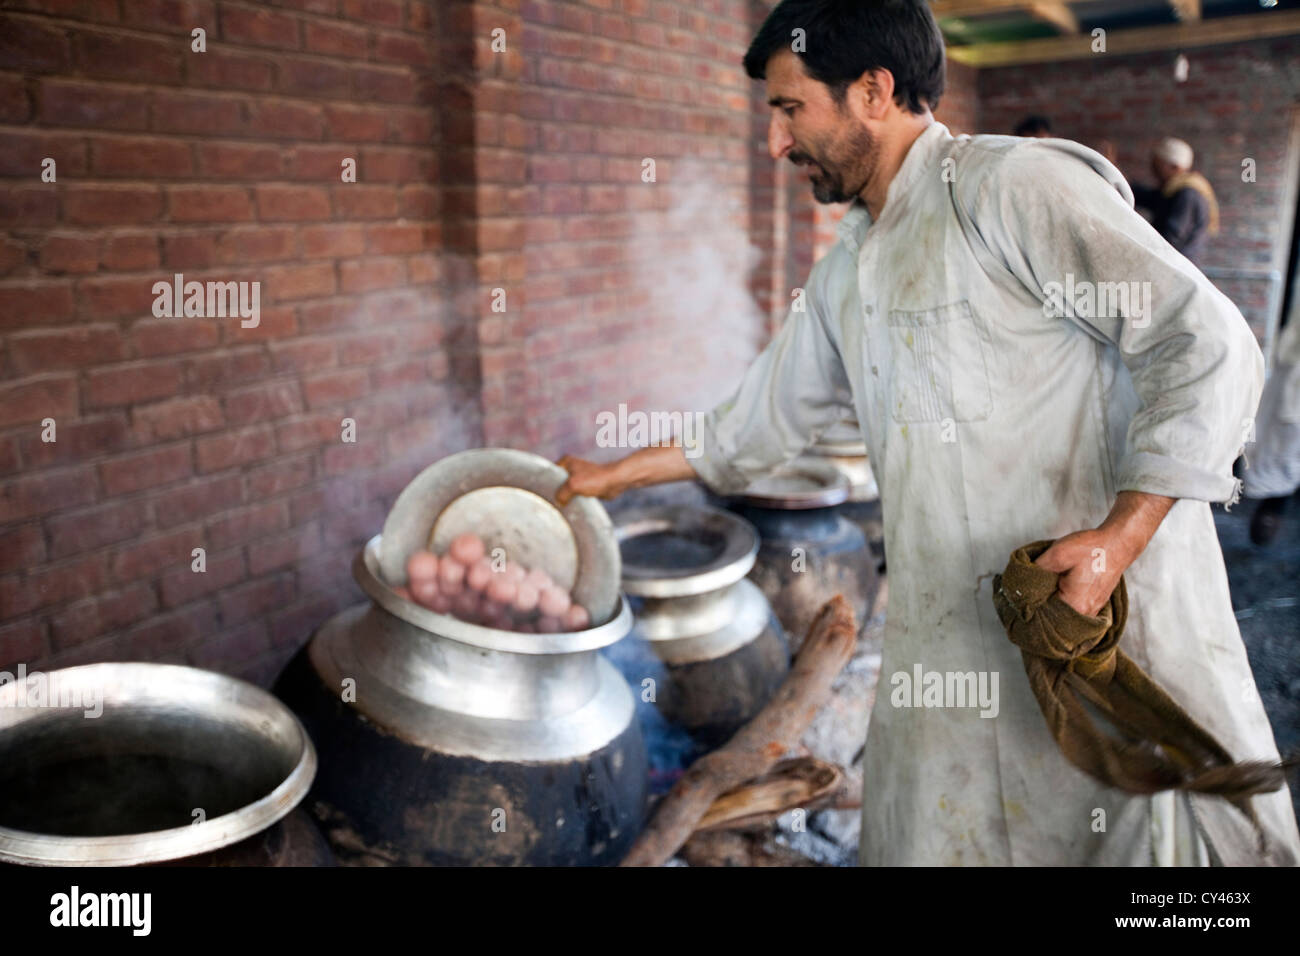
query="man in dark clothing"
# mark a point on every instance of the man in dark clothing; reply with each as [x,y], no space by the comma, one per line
[1183,206]
[1039,127]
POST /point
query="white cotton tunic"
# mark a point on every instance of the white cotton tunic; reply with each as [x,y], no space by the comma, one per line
[991,423]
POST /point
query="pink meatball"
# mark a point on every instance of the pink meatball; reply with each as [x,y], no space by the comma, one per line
[440,603]
[501,589]
[496,616]
[576,618]
[479,575]
[526,598]
[553,601]
[424,591]
[467,548]
[465,605]
[422,565]
[546,624]
[539,579]
[451,576]
[514,572]
[403,593]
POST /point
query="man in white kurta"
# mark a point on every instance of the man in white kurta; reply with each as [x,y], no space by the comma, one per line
[991,423]
[1007,394]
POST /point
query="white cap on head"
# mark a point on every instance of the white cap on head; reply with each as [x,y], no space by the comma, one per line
[1175,152]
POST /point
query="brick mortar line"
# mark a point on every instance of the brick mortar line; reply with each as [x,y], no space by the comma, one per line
[135,31]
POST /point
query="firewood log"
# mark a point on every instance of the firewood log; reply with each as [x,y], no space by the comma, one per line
[758,745]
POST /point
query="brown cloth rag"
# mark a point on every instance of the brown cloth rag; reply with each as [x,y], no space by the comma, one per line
[1071,657]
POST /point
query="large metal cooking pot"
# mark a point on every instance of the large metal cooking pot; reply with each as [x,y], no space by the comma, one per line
[704,635]
[809,552]
[123,764]
[842,447]
[447,743]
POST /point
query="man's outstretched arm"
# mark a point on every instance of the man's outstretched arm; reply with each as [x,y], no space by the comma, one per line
[648,466]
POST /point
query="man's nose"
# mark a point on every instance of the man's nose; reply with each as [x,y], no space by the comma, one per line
[779,140]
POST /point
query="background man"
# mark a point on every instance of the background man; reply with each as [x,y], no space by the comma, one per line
[1038,127]
[1183,207]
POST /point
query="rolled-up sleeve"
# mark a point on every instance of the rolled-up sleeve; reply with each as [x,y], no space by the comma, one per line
[795,389]
[1194,362]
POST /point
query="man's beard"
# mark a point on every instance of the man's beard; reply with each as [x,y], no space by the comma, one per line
[856,152]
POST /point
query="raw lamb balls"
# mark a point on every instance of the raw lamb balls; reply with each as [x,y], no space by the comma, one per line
[465,583]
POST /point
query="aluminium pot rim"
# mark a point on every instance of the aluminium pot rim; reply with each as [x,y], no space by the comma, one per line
[366,571]
[27,848]
[834,488]
[839,450]
[735,561]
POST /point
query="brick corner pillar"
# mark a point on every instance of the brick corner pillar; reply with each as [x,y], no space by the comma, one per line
[488,200]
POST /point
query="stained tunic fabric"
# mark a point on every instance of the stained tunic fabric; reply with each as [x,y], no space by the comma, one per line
[993,419]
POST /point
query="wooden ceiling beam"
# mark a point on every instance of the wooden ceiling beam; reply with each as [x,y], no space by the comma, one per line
[975,8]
[1255,26]
[1057,14]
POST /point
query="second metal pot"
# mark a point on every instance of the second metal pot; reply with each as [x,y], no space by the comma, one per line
[705,637]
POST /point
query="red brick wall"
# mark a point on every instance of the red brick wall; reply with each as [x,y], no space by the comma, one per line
[959,109]
[1234,105]
[174,434]
[621,290]
[480,171]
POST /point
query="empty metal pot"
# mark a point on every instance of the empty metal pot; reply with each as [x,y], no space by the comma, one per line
[809,552]
[705,637]
[448,743]
[124,764]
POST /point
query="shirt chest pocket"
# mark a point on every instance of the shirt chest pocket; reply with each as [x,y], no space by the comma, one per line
[938,367]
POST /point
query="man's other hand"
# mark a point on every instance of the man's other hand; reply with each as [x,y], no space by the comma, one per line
[1091,563]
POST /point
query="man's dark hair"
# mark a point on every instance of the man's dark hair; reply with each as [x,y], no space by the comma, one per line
[1033,125]
[843,39]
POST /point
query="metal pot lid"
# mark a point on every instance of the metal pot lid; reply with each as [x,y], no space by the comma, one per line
[366,571]
[680,550]
[841,440]
[804,483]
[232,748]
[507,498]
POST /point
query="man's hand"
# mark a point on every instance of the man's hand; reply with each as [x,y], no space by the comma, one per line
[649,466]
[588,478]
[1091,563]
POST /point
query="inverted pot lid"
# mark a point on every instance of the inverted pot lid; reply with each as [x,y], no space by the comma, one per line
[507,498]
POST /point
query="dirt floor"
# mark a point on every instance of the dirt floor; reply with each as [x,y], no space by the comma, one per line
[1265,586]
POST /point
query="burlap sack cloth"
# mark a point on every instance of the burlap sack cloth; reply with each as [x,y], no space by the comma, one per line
[1071,657]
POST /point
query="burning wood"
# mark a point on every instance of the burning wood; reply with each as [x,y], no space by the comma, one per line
[804,782]
[756,748]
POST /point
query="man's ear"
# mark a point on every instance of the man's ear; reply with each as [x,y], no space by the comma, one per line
[871,94]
